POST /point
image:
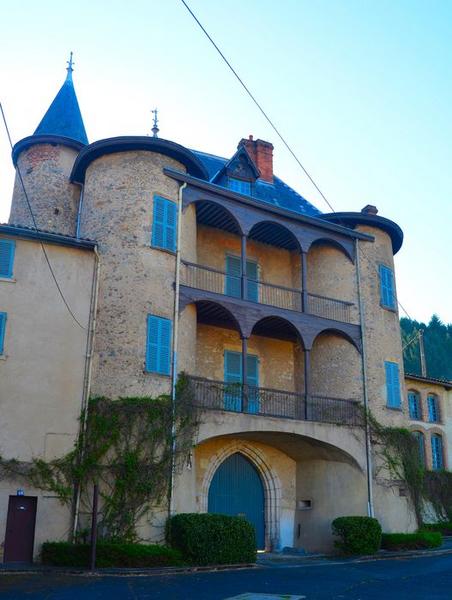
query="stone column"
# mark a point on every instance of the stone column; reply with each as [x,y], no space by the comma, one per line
[307,382]
[244,375]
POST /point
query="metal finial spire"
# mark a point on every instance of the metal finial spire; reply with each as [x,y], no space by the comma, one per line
[155,128]
[69,67]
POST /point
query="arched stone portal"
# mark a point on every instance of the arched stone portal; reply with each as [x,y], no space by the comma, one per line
[270,481]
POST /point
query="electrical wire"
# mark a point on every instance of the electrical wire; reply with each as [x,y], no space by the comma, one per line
[60,291]
[268,119]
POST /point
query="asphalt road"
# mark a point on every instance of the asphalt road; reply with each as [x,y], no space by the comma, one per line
[408,578]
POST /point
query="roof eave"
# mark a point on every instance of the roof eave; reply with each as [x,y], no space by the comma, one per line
[316,221]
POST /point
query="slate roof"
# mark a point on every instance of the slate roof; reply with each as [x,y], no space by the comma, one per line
[277,194]
[63,118]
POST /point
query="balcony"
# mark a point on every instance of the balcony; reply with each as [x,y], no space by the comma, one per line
[212,280]
[239,398]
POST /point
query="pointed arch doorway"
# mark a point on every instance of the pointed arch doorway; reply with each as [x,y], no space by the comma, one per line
[236,489]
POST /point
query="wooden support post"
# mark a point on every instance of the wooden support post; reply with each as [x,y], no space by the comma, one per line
[304,282]
[94,528]
[307,382]
[244,374]
[243,267]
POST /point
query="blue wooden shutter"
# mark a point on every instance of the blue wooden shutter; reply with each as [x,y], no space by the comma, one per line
[7,248]
[421,446]
[158,347]
[170,225]
[252,291]
[158,224]
[233,375]
[233,273]
[252,379]
[2,331]
[387,296]
[437,452]
[413,405]
[433,413]
[392,385]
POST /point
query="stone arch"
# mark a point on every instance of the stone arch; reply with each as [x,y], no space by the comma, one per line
[221,309]
[284,329]
[270,482]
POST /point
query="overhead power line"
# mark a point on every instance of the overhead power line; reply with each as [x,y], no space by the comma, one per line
[52,272]
[268,119]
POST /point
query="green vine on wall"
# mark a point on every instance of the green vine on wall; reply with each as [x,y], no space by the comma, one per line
[127,449]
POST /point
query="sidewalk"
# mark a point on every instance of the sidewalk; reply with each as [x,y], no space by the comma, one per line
[267,560]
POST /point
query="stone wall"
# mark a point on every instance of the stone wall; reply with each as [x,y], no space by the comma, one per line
[45,170]
[336,369]
[135,278]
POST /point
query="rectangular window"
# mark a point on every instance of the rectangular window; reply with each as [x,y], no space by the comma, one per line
[433,409]
[7,248]
[164,225]
[437,452]
[158,345]
[233,375]
[2,331]
[233,278]
[240,186]
[387,291]
[414,405]
[392,385]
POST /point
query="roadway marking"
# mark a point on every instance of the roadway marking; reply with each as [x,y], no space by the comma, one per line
[252,596]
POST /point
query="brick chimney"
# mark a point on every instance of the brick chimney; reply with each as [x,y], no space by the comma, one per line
[261,154]
[370,209]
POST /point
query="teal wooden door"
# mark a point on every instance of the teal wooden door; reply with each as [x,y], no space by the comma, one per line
[237,490]
[233,375]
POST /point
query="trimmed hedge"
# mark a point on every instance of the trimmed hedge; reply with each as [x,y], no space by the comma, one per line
[445,528]
[63,554]
[411,541]
[358,535]
[206,539]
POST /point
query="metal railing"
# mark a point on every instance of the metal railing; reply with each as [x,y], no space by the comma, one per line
[248,399]
[329,308]
[213,280]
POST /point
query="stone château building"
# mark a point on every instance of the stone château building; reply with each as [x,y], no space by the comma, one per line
[176,260]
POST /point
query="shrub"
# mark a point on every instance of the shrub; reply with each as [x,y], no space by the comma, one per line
[445,527]
[205,539]
[358,535]
[109,554]
[411,541]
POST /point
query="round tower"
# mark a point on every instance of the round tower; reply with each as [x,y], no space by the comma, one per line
[45,160]
[125,187]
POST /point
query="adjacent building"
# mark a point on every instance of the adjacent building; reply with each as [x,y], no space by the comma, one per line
[169,259]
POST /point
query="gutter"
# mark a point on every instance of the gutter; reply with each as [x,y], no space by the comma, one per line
[370,502]
[87,379]
[175,344]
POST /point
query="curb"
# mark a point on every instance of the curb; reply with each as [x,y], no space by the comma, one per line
[124,572]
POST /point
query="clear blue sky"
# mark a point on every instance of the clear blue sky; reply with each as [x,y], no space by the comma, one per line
[362,90]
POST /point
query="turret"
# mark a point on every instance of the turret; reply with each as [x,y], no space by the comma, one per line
[45,160]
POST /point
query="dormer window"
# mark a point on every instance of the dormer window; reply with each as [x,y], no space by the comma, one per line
[239,185]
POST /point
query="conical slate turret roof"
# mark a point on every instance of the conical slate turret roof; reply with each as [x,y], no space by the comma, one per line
[63,118]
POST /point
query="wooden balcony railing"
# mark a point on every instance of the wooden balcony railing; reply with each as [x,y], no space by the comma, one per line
[212,280]
[239,398]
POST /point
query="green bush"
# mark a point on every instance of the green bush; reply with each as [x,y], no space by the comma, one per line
[445,527]
[411,541]
[358,535]
[205,539]
[63,554]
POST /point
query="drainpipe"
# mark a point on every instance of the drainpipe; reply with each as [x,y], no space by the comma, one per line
[370,502]
[87,373]
[175,343]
